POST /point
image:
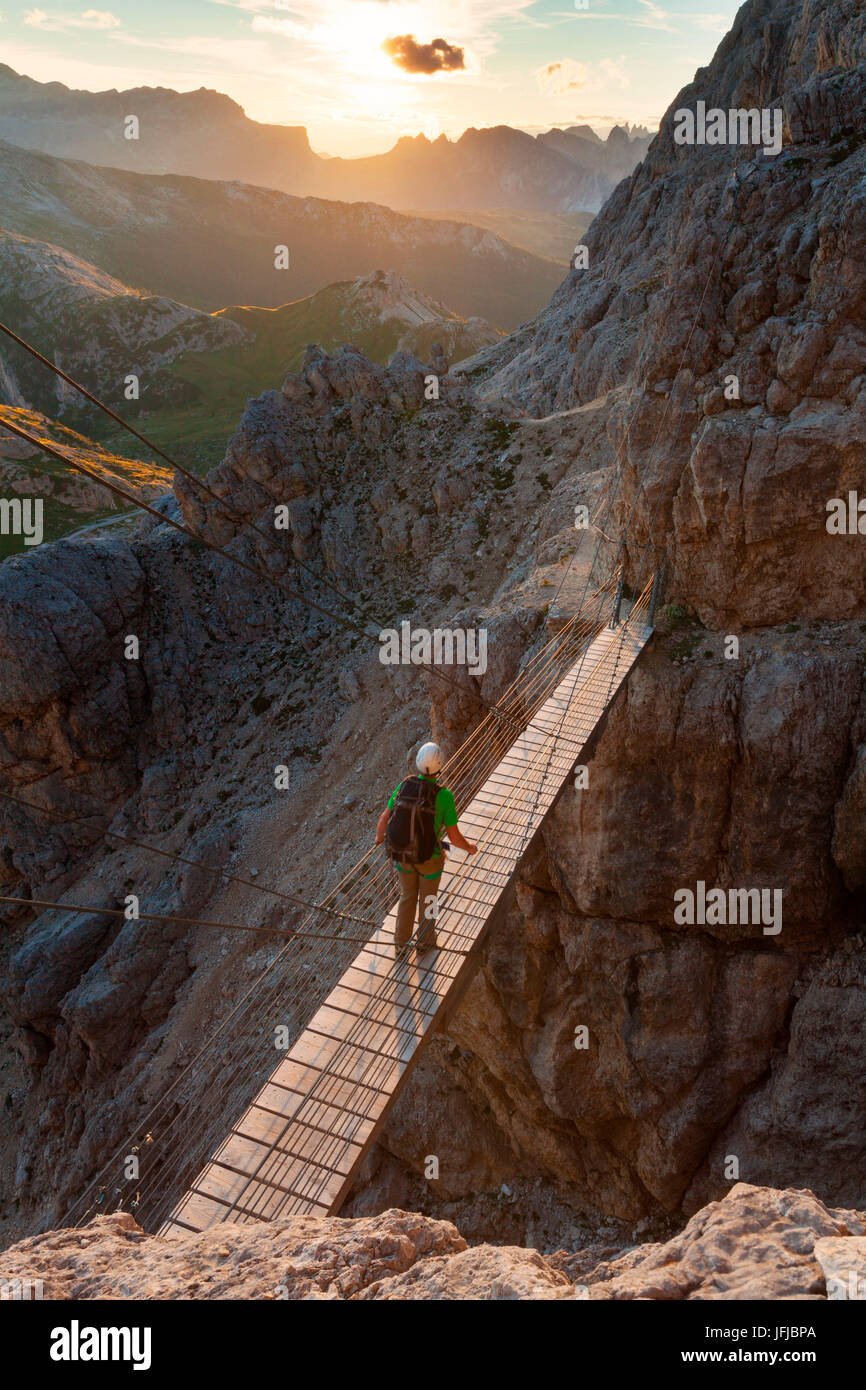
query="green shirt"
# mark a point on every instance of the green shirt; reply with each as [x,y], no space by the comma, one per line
[444,811]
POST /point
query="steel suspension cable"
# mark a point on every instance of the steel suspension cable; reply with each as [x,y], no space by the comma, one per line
[61,818]
[357,1037]
[452,894]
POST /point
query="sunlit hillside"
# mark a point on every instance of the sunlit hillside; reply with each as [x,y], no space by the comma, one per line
[70,500]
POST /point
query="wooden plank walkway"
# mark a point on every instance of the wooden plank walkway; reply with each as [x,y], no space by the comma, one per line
[298,1146]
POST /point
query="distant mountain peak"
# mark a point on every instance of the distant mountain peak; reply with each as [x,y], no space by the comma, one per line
[206,134]
[584,132]
[412,141]
[391,296]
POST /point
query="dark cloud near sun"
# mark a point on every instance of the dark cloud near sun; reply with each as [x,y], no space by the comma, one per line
[412,56]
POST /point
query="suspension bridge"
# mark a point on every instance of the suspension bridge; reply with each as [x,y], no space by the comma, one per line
[298,1145]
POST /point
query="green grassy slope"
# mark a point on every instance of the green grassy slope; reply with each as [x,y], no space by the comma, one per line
[69,500]
[552,235]
[216,385]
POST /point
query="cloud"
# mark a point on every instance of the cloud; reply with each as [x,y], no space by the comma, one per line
[568,76]
[713,23]
[289,28]
[412,56]
[614,71]
[97,19]
[88,19]
[655,17]
[565,76]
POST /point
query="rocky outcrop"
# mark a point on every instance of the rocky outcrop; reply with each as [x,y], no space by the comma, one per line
[727,286]
[364,462]
[757,1244]
[306,1257]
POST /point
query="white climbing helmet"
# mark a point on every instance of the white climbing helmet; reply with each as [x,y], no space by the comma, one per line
[429,759]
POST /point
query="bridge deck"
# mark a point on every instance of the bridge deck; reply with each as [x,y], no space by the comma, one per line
[298,1146]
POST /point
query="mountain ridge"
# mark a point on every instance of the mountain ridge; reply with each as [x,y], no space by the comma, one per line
[193,370]
[207,134]
[207,243]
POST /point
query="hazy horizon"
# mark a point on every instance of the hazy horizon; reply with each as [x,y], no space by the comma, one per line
[602,125]
[360,74]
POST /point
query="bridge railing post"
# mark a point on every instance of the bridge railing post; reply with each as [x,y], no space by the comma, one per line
[658,583]
[617,604]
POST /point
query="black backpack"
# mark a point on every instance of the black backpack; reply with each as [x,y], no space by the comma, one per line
[410,836]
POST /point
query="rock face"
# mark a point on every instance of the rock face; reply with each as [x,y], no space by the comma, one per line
[728,285]
[757,1244]
[70,710]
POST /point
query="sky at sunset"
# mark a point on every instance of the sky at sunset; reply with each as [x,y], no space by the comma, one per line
[360,73]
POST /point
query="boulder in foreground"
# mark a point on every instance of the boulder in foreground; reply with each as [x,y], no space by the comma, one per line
[759,1243]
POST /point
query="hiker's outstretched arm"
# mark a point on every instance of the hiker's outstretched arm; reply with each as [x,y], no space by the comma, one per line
[458,839]
[382,826]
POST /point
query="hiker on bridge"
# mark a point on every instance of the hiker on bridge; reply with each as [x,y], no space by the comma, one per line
[411,824]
